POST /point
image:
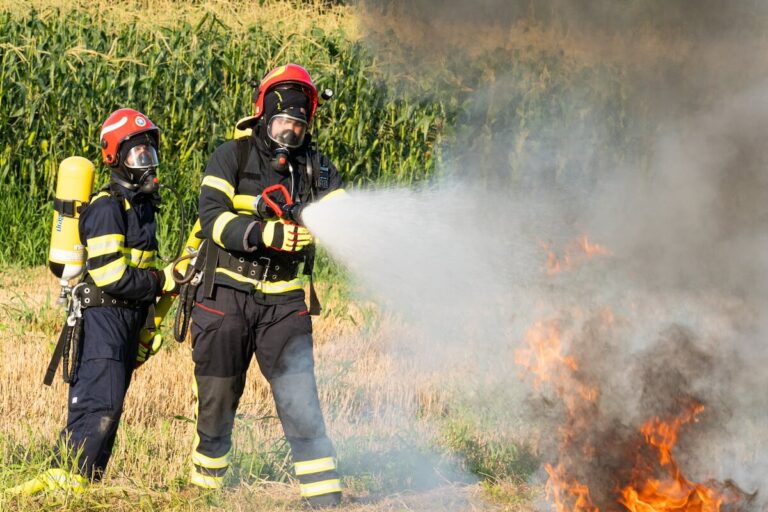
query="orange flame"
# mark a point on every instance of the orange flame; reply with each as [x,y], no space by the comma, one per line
[568,496]
[575,254]
[543,357]
[673,493]
[656,483]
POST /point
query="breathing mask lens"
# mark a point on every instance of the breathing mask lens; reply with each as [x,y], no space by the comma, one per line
[142,156]
[286,130]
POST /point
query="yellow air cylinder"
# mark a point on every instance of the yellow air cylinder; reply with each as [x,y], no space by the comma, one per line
[74,185]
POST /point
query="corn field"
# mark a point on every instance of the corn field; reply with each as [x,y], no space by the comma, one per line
[60,77]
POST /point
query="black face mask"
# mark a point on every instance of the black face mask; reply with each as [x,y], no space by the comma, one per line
[148,183]
[278,155]
[142,176]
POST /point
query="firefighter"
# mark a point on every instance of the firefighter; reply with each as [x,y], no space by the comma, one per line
[120,285]
[251,302]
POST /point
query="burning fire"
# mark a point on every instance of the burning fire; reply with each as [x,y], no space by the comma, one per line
[574,255]
[673,492]
[644,475]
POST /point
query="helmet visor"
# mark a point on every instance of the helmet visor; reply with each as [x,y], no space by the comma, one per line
[286,130]
[142,156]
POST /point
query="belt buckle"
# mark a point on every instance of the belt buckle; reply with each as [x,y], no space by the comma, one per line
[266,267]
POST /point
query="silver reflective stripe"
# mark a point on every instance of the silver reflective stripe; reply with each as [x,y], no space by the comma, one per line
[318,488]
[309,467]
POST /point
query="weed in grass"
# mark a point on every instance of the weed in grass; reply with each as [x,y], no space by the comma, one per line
[487,454]
[24,317]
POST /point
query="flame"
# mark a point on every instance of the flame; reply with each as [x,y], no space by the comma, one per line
[673,492]
[567,495]
[543,357]
[574,255]
[592,249]
[653,480]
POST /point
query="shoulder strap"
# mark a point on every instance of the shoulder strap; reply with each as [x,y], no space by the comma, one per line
[243,154]
[322,171]
[318,172]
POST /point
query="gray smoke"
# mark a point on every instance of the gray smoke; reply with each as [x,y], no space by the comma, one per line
[676,187]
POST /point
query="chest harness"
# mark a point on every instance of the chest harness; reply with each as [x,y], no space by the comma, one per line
[257,266]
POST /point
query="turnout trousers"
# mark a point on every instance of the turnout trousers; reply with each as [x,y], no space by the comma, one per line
[227,330]
[109,345]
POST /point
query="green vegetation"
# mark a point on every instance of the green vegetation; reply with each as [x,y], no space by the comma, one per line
[60,77]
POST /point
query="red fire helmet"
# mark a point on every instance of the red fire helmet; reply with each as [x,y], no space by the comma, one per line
[121,125]
[288,74]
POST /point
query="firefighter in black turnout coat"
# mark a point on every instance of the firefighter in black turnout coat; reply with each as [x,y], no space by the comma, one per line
[121,282]
[251,301]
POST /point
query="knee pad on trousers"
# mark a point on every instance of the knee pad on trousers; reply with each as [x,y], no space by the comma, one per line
[218,398]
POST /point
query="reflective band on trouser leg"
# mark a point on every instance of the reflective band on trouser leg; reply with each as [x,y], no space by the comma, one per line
[206,462]
[320,488]
[205,481]
[206,472]
[309,467]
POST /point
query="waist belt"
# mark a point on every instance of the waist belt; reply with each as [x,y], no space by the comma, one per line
[91,295]
[261,268]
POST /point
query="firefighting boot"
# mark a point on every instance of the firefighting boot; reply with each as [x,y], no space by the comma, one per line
[50,480]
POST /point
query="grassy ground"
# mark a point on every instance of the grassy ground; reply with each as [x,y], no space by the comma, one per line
[402,444]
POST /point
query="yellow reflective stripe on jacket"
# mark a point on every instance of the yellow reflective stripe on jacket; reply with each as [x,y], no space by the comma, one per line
[309,467]
[244,203]
[99,196]
[205,481]
[265,286]
[109,273]
[105,244]
[221,222]
[140,258]
[210,462]
[318,488]
[126,204]
[219,184]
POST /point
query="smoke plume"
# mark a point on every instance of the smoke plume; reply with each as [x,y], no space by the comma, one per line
[664,166]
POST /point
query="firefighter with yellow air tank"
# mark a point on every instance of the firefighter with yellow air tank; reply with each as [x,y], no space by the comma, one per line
[113,300]
[251,301]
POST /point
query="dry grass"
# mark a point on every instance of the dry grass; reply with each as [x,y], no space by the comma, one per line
[238,15]
[368,413]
